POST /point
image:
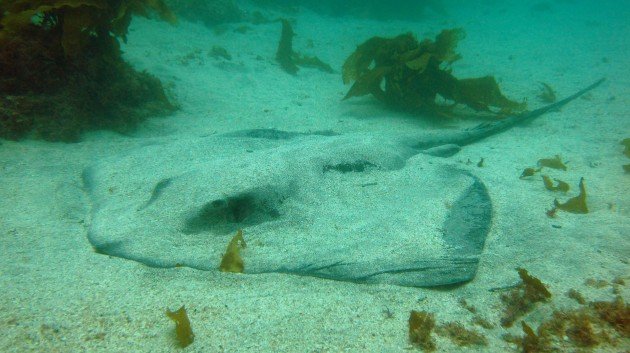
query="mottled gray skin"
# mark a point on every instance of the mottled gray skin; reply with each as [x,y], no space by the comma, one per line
[465,226]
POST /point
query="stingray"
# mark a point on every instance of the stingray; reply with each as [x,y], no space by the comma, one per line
[357,207]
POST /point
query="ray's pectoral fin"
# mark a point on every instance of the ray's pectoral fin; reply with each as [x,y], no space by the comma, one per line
[443,150]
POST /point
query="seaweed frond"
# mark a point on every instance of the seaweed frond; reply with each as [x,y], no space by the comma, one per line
[549,185]
[522,298]
[373,50]
[62,71]
[604,323]
[289,60]
[482,93]
[531,342]
[616,313]
[527,172]
[232,260]
[415,76]
[535,290]
[421,324]
[79,21]
[554,163]
[284,54]
[575,204]
[445,44]
[183,329]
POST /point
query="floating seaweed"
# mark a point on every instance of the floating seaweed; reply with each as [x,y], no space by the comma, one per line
[575,204]
[290,60]
[562,186]
[531,342]
[409,74]
[183,330]
[580,330]
[522,298]
[527,172]
[554,163]
[421,324]
[285,54]
[232,260]
[80,19]
[598,323]
[616,313]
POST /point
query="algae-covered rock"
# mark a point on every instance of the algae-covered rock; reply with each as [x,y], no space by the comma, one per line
[61,69]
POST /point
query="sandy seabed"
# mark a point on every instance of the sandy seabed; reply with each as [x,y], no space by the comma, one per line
[58,295]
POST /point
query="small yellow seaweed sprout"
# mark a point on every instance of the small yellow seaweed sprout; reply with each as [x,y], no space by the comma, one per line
[183,330]
[421,324]
[555,163]
[527,172]
[549,185]
[232,260]
[575,204]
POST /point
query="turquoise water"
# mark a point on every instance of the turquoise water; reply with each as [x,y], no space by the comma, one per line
[317,176]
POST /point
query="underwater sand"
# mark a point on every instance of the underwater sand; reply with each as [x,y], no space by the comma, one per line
[58,295]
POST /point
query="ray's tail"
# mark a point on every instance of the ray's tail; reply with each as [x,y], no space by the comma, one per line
[487,129]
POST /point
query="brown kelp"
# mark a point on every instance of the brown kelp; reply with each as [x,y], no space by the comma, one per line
[290,60]
[411,75]
[183,330]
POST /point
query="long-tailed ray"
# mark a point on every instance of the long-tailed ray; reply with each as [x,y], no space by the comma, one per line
[352,207]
